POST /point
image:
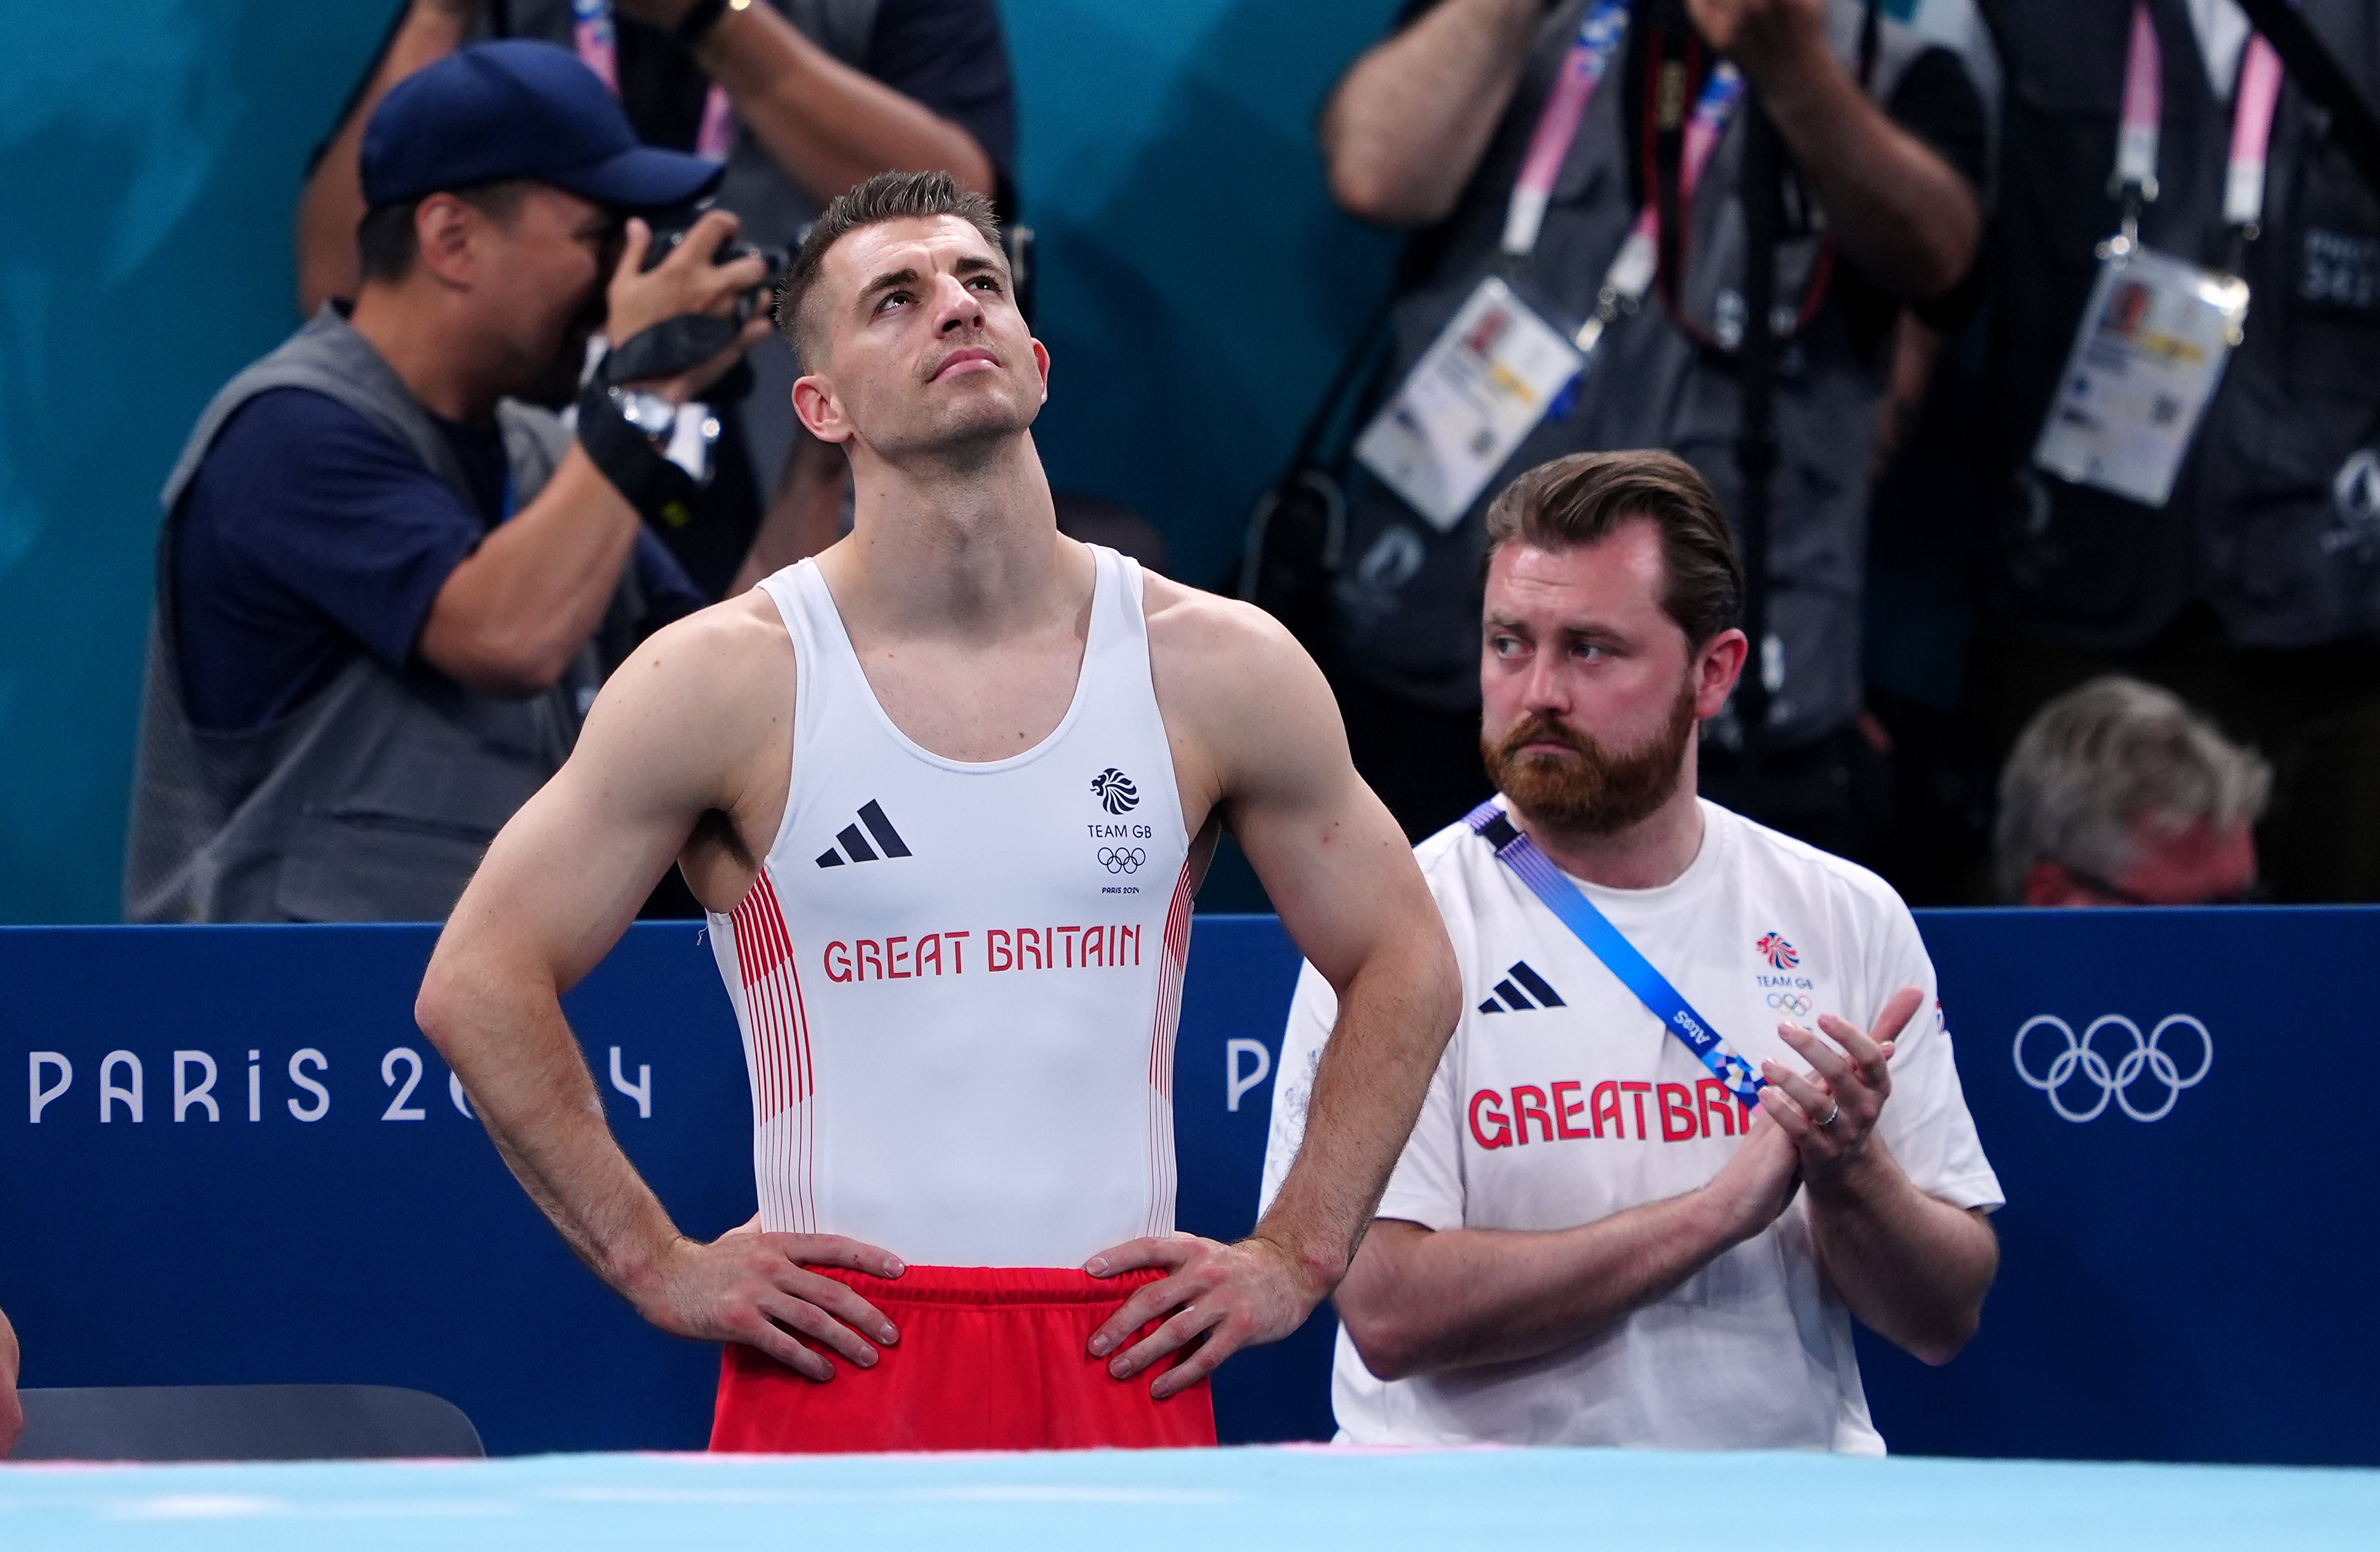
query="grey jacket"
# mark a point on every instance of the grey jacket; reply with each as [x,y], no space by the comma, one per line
[374,799]
[1405,606]
[2275,520]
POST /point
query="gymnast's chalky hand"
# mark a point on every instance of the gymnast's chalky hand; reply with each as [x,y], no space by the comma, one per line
[753,1288]
[1233,1295]
[1830,1110]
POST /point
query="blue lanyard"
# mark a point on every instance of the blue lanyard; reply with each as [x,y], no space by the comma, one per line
[1533,868]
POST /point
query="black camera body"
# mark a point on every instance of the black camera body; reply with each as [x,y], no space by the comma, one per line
[671,228]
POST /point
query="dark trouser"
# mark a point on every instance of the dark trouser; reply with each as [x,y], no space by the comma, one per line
[1835,792]
[2314,712]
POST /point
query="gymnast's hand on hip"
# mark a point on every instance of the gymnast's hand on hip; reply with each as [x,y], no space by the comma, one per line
[1232,1295]
[753,1288]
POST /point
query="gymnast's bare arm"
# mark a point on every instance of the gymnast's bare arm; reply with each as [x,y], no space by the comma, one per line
[686,751]
[12,1411]
[1258,747]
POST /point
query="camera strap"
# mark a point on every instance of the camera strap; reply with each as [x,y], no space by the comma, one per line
[670,347]
[1574,910]
[1677,148]
[657,489]
[599,50]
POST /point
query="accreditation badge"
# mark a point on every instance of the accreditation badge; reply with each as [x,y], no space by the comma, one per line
[1481,388]
[2148,358]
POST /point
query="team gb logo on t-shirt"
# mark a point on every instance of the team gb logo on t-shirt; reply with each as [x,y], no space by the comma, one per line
[1779,953]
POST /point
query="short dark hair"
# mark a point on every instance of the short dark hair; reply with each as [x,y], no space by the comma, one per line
[886,197]
[1585,497]
[387,244]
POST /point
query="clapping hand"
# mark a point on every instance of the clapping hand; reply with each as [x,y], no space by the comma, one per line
[1830,1110]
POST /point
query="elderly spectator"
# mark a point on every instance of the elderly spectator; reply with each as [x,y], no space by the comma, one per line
[803,99]
[1471,123]
[388,582]
[2119,794]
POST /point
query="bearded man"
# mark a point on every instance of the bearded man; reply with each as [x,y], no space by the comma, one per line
[1646,1198]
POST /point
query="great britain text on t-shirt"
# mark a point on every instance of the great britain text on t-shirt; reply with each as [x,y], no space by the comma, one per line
[1567,1110]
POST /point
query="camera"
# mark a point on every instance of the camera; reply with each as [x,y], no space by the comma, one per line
[671,228]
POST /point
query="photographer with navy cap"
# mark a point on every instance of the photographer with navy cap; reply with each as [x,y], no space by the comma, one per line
[801,99]
[390,577]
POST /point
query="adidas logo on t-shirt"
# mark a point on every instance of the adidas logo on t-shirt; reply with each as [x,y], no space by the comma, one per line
[854,845]
[1509,997]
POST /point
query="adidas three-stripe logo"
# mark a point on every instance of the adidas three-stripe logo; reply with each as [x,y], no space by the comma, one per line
[854,845]
[1509,997]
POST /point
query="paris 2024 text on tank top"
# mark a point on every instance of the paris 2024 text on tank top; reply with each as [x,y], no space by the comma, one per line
[958,982]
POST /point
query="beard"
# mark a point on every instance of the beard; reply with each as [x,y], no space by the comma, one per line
[1592,789]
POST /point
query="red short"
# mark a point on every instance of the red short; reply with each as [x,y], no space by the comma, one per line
[989,1358]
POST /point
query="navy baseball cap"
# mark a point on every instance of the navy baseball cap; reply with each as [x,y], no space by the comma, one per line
[519,109]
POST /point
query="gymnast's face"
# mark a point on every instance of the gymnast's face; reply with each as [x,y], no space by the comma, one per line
[925,352]
[1590,692]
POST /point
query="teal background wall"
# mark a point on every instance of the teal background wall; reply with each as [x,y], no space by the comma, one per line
[1196,289]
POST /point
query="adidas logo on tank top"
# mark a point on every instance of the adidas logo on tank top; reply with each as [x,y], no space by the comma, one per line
[958,983]
[850,845]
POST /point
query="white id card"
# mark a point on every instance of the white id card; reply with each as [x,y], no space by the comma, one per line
[1482,386]
[2147,360]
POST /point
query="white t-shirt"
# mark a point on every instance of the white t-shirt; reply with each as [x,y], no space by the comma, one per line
[1562,1100]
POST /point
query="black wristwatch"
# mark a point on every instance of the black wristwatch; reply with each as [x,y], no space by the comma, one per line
[693,26]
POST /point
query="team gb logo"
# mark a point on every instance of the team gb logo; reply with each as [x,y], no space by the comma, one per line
[1779,953]
[1115,792]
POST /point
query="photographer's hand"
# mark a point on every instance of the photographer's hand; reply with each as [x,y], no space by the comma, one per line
[1894,206]
[688,281]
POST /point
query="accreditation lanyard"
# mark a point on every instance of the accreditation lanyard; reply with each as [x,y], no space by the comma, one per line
[1582,72]
[1631,270]
[599,50]
[2257,95]
[1575,911]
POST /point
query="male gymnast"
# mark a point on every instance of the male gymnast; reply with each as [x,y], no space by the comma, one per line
[947,791]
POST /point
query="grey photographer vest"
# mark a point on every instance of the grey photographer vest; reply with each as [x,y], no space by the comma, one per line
[775,209]
[374,799]
[1405,603]
[2274,522]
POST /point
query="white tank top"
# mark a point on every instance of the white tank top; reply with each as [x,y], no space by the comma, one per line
[958,982]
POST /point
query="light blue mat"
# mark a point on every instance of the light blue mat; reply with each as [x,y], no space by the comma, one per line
[1235,1500]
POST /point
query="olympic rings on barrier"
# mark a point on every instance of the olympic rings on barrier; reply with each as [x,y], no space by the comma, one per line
[1791,1002]
[1121,859]
[2147,1057]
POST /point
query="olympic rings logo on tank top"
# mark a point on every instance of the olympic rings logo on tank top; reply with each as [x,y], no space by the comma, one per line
[2080,1062]
[1791,1002]
[1121,859]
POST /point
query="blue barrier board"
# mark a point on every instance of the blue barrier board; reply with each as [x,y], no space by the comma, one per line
[235,1161]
